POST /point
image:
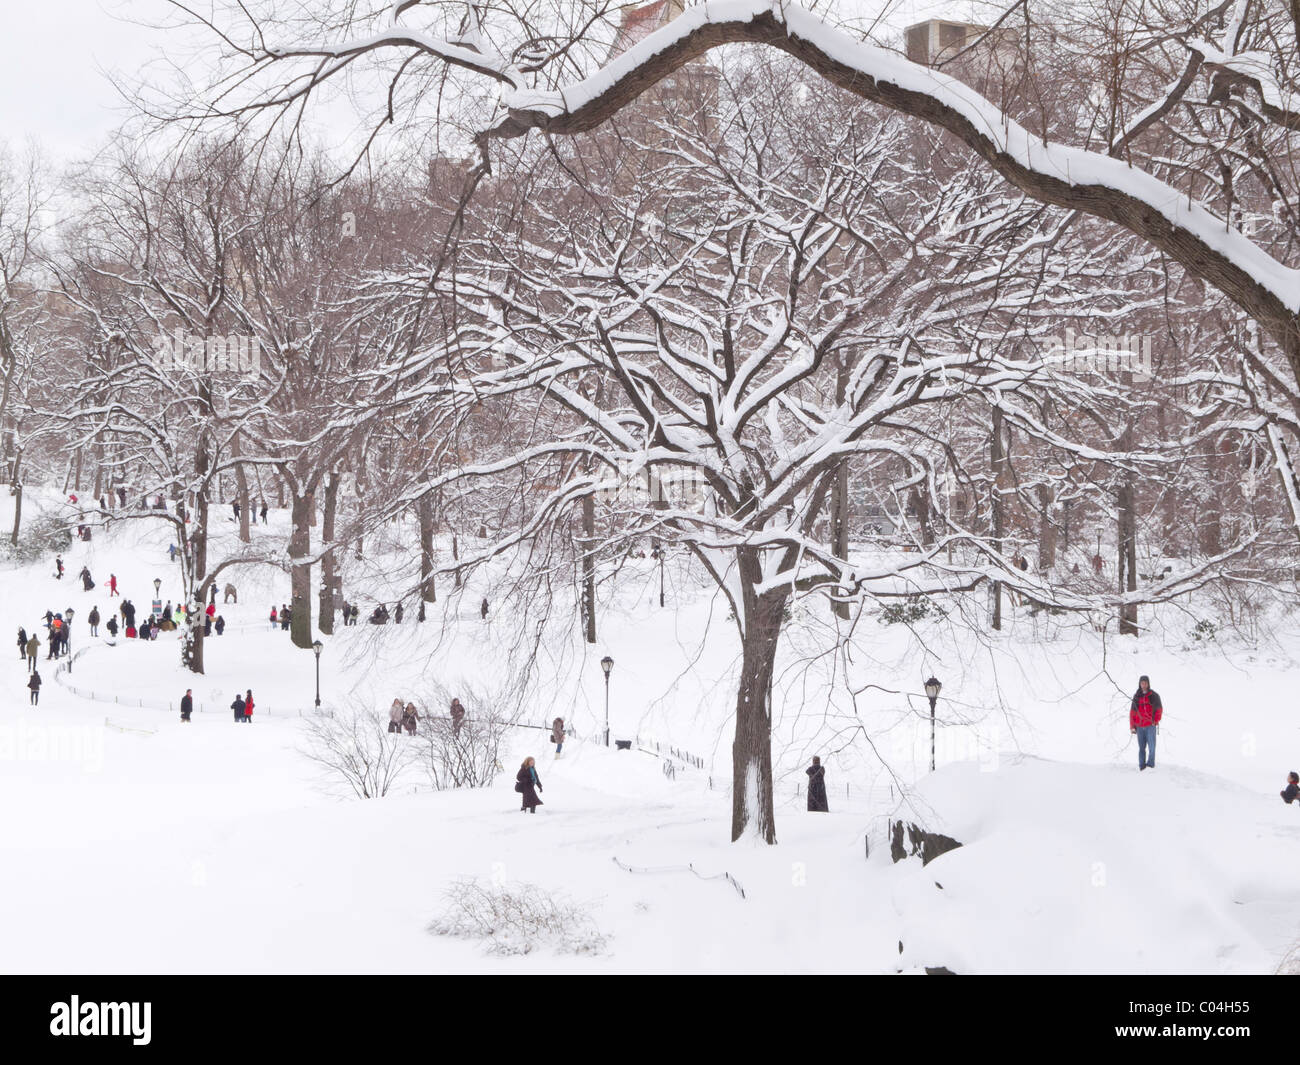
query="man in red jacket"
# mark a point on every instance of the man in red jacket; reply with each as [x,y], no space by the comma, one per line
[1144,721]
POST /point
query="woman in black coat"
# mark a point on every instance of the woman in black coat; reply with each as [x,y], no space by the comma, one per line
[22,642]
[817,787]
[528,783]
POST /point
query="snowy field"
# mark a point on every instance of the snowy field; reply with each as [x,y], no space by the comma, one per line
[133,843]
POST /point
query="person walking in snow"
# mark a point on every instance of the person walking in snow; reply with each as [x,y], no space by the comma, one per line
[112,627]
[22,642]
[93,619]
[187,704]
[33,649]
[410,719]
[1144,721]
[528,784]
[817,787]
[238,707]
[1292,790]
[457,717]
[263,512]
[171,552]
[248,707]
[112,585]
[275,617]
[220,624]
[397,613]
[86,582]
[557,735]
[395,712]
[34,685]
[128,612]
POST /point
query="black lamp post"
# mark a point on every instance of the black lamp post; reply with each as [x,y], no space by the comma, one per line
[317,647]
[932,689]
[607,664]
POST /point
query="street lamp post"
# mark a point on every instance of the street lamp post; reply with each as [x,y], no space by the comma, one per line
[932,689]
[607,664]
[157,587]
[317,647]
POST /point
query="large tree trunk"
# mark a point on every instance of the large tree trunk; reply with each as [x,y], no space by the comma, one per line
[1127,568]
[300,569]
[997,457]
[241,488]
[424,510]
[1046,529]
[18,493]
[589,567]
[840,526]
[752,811]
[328,578]
[197,562]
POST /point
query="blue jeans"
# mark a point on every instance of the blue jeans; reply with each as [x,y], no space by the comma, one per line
[1146,746]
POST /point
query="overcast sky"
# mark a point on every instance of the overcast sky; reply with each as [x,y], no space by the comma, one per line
[56,55]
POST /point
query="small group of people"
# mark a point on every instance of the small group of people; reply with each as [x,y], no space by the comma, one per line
[242,706]
[57,633]
[282,617]
[402,717]
[261,512]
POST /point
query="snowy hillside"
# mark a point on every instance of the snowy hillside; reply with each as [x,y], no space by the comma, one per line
[155,846]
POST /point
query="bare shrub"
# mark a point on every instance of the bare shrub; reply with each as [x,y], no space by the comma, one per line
[357,753]
[468,756]
[517,919]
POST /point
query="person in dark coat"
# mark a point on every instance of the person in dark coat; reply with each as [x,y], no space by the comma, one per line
[238,707]
[112,627]
[93,619]
[817,787]
[58,567]
[128,612]
[263,513]
[22,642]
[483,609]
[34,684]
[187,704]
[1292,791]
[410,718]
[1144,721]
[457,716]
[528,784]
[220,624]
[397,614]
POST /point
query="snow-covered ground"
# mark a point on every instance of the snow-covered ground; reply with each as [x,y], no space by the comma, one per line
[134,843]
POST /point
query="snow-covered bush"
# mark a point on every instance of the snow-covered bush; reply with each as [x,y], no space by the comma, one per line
[912,610]
[1205,630]
[43,537]
[517,919]
[357,753]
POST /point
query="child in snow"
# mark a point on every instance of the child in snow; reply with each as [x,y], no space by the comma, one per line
[1292,791]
